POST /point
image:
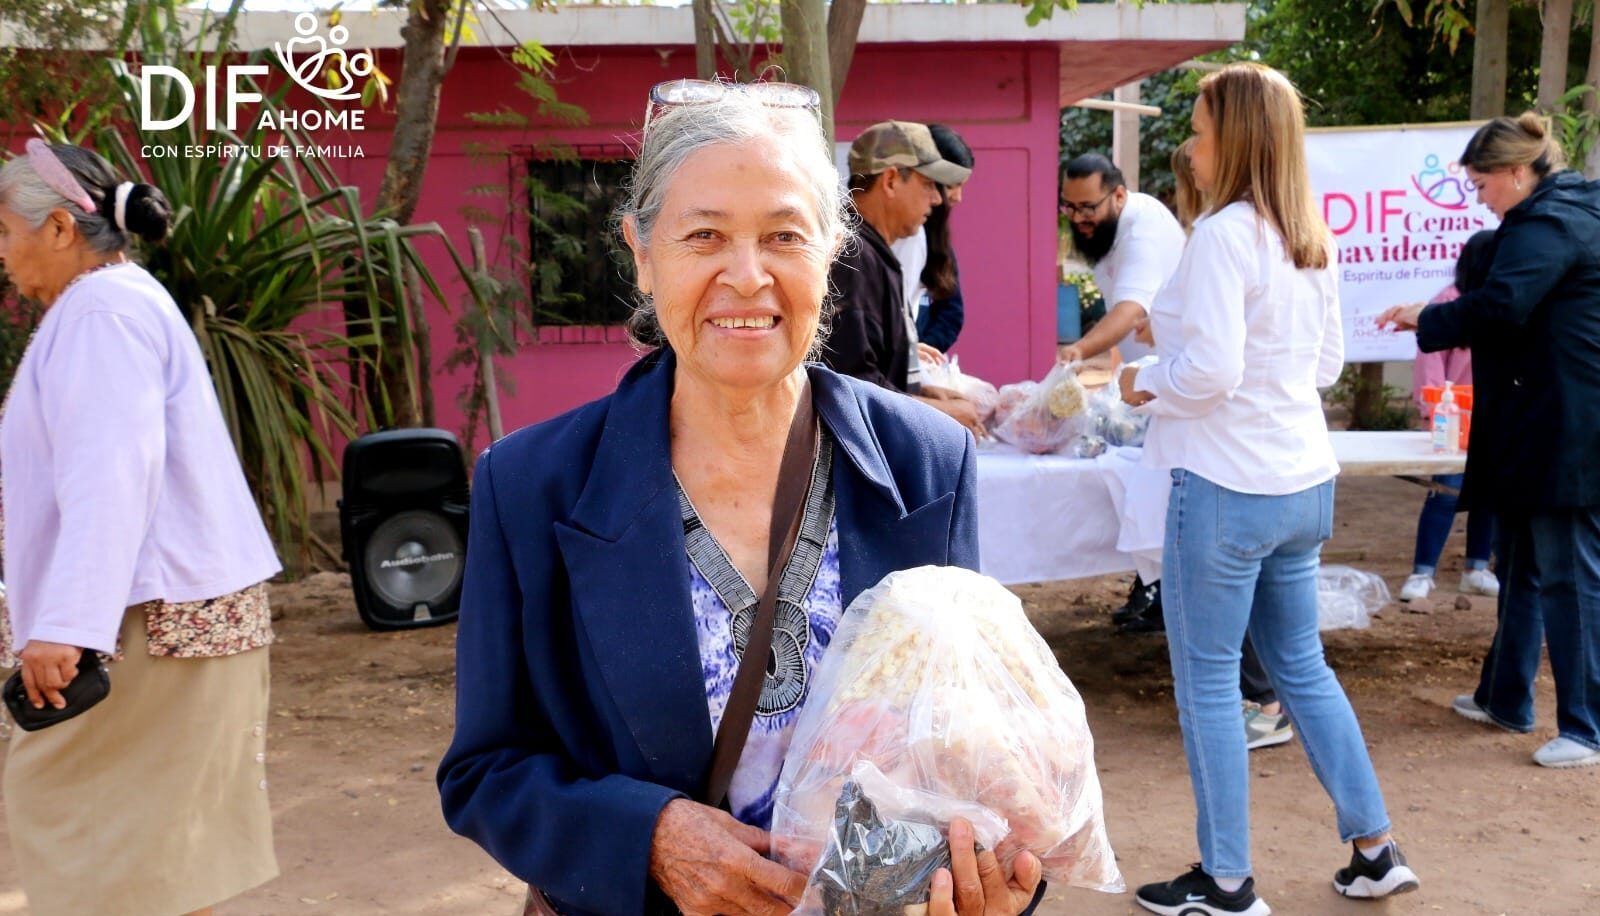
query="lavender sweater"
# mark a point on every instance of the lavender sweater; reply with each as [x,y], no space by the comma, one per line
[121,484]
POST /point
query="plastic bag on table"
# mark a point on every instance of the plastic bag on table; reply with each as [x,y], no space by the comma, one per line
[1045,416]
[1348,599]
[983,395]
[936,678]
[1113,420]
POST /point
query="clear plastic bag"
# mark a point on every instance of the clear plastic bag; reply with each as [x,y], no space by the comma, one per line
[1112,420]
[1348,599]
[938,681]
[983,395]
[1044,416]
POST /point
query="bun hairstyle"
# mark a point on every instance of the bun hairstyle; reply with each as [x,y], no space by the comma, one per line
[1505,143]
[121,209]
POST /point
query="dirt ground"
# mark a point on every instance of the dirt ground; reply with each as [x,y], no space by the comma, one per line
[360,719]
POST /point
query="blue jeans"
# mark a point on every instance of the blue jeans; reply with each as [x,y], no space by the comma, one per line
[1550,574]
[1237,563]
[1433,529]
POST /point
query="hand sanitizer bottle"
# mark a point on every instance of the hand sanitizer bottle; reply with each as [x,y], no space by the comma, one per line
[1447,424]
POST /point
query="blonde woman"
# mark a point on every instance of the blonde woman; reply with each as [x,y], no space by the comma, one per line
[1247,330]
[1534,329]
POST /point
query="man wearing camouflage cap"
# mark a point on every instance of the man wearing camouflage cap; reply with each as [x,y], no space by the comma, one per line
[896,179]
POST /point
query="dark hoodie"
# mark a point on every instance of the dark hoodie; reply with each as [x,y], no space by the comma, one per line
[1534,329]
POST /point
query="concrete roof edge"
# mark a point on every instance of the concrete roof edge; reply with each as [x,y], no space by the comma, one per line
[883,23]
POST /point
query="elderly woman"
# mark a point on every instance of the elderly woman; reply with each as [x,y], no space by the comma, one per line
[1534,457]
[617,551]
[130,531]
[1247,329]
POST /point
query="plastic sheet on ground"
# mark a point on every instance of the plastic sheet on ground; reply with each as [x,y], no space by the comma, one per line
[1348,599]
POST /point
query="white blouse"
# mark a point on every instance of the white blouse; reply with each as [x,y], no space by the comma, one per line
[121,484]
[1245,340]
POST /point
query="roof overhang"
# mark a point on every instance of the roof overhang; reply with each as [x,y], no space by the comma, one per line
[1103,45]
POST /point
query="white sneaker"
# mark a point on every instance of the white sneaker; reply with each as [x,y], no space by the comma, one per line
[1562,753]
[1479,582]
[1417,586]
[1467,708]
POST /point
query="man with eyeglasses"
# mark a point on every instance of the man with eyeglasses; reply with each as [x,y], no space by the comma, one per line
[895,177]
[1133,243]
[1131,240]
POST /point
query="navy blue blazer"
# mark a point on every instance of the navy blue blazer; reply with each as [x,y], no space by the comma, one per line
[580,701]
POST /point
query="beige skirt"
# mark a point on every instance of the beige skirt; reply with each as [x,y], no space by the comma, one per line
[153,803]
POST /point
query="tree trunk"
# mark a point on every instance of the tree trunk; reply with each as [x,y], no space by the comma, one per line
[416,117]
[1553,53]
[705,40]
[805,51]
[421,329]
[1367,406]
[1591,102]
[844,24]
[1489,59]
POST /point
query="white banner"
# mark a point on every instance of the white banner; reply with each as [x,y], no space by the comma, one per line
[1400,209]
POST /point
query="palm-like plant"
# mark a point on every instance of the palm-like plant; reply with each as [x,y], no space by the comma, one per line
[281,274]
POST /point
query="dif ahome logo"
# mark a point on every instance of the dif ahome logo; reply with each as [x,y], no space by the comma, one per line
[310,59]
[1443,186]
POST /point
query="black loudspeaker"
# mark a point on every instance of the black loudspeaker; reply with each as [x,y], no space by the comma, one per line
[403,522]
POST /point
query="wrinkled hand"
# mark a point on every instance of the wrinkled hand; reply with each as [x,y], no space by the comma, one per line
[963,411]
[712,865]
[47,668]
[929,354]
[1143,334]
[1069,353]
[1403,317]
[1131,396]
[976,885]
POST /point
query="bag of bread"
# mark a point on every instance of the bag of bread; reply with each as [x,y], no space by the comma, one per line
[937,698]
[1046,416]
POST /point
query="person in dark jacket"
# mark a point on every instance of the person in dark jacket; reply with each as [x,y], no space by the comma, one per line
[1534,455]
[895,177]
[617,551]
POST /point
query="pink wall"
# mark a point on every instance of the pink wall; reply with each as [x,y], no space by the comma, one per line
[1002,98]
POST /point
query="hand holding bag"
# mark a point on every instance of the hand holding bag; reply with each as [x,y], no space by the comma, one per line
[91,685]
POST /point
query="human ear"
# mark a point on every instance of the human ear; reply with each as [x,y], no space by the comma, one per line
[641,258]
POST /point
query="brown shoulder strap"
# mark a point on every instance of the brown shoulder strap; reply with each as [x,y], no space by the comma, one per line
[794,476]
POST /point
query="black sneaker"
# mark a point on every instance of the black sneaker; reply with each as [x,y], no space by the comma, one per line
[1140,597]
[1196,894]
[1370,879]
[1150,620]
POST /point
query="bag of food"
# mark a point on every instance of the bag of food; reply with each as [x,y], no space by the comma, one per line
[949,376]
[1042,417]
[937,699]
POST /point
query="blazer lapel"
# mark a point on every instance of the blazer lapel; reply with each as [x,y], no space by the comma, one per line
[877,535]
[625,554]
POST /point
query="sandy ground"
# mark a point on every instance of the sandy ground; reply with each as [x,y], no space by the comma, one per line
[359,721]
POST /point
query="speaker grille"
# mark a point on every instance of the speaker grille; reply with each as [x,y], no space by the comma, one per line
[414,558]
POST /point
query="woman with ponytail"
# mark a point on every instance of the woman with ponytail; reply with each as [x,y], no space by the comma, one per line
[129,534]
[1534,457]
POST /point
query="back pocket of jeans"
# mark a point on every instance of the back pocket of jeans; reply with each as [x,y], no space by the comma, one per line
[1248,525]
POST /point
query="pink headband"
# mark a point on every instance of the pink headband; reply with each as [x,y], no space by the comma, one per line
[55,175]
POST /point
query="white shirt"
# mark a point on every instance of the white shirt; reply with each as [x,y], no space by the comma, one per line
[912,253]
[1142,257]
[121,483]
[1245,341]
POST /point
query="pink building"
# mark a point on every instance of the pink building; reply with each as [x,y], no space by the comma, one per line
[978,68]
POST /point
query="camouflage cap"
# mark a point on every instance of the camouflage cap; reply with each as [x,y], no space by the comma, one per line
[903,145]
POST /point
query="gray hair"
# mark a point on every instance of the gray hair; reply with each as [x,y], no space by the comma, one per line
[738,116]
[27,194]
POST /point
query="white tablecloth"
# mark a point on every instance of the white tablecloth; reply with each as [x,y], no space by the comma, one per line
[1048,517]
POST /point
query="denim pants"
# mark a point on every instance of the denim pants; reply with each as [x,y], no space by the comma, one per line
[1433,528]
[1237,563]
[1549,570]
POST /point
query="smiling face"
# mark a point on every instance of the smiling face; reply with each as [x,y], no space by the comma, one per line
[736,264]
[1501,189]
